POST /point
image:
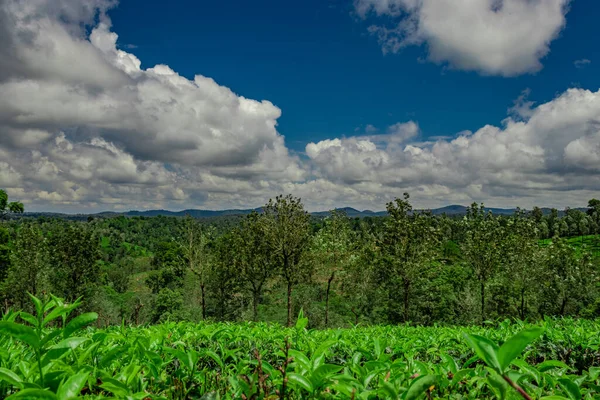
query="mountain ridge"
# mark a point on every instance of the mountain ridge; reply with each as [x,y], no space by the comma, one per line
[451,210]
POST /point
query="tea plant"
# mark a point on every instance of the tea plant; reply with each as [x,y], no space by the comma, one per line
[56,355]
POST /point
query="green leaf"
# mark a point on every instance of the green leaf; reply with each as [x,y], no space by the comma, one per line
[301,322]
[515,346]
[547,365]
[485,349]
[72,387]
[553,398]
[419,386]
[460,374]
[39,306]
[56,312]
[59,349]
[531,371]
[79,322]
[20,332]
[49,337]
[497,383]
[300,381]
[33,394]
[119,389]
[322,372]
[10,377]
[570,388]
[594,372]
[450,362]
[25,316]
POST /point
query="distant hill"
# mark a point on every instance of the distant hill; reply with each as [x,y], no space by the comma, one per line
[451,210]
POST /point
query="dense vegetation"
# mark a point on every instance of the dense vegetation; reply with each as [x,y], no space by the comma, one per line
[50,355]
[407,266]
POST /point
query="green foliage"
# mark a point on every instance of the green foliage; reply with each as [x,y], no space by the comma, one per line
[48,354]
[7,207]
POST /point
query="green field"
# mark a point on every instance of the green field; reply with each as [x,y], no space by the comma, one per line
[265,361]
[588,243]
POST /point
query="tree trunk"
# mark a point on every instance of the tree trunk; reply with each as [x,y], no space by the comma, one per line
[289,304]
[203,302]
[255,306]
[355,316]
[222,305]
[563,305]
[327,298]
[522,303]
[406,298]
[482,301]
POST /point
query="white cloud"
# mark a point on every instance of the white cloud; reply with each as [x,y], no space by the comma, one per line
[84,128]
[85,123]
[549,156]
[497,37]
[581,63]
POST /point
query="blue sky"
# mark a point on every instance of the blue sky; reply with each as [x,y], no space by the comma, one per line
[317,62]
[130,104]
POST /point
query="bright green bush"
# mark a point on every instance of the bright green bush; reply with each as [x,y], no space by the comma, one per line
[53,355]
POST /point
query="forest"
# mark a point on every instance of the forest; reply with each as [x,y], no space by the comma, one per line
[407,267]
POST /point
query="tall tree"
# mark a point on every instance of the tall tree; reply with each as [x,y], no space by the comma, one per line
[74,258]
[29,268]
[332,247]
[482,247]
[224,275]
[408,244]
[196,251]
[254,260]
[522,259]
[288,232]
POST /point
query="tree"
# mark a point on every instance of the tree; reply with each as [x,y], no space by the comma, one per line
[29,268]
[568,277]
[196,252]
[594,213]
[408,244]
[74,258]
[522,259]
[287,228]
[332,247]
[4,252]
[593,207]
[254,260]
[224,274]
[482,247]
[5,207]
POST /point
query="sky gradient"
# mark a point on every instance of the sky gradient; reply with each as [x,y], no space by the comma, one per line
[140,105]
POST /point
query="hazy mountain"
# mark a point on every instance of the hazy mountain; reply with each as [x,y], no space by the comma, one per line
[451,210]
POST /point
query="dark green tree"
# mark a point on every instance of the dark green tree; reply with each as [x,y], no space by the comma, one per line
[7,207]
[408,245]
[74,256]
[254,261]
[287,228]
[482,247]
[29,267]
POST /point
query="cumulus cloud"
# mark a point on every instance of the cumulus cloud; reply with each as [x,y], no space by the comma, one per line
[549,155]
[83,127]
[83,122]
[496,37]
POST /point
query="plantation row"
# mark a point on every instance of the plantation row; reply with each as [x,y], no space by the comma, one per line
[39,360]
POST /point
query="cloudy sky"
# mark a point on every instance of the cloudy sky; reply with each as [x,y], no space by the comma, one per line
[108,105]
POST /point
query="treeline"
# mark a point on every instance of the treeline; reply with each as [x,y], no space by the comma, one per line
[406,267]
